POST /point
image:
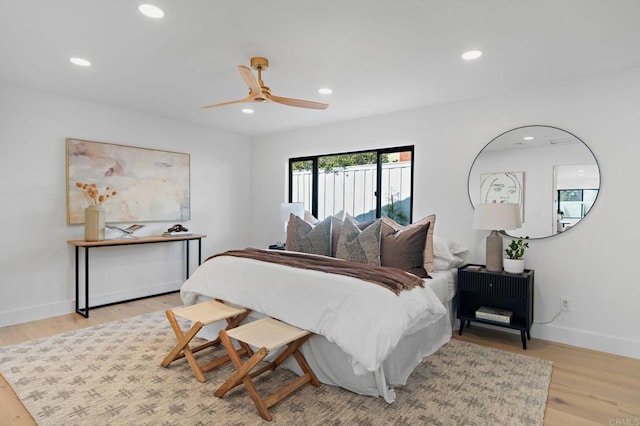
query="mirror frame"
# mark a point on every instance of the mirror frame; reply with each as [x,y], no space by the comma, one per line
[548,127]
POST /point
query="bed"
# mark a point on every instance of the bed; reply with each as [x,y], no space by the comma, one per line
[368,339]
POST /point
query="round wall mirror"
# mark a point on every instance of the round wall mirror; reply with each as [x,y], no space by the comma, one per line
[549,172]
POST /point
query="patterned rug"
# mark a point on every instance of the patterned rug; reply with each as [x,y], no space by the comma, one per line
[110,375]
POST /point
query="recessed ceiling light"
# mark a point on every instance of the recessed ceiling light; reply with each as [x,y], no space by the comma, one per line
[247,110]
[151,11]
[528,138]
[80,62]
[325,91]
[471,54]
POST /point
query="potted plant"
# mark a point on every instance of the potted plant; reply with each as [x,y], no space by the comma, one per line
[514,263]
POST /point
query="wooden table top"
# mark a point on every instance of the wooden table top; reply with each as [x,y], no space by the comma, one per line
[134,240]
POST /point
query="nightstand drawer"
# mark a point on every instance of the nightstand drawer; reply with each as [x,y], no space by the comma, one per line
[513,287]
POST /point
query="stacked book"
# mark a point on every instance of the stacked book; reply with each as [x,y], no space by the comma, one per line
[494,314]
[176,234]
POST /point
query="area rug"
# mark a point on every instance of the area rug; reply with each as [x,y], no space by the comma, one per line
[110,375]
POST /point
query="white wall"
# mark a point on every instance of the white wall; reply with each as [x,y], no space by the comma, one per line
[36,263]
[590,264]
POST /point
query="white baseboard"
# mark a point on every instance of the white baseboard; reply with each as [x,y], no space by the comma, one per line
[33,313]
[589,340]
[580,338]
[132,293]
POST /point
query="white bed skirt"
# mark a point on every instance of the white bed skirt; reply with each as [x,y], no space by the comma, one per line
[367,339]
[333,367]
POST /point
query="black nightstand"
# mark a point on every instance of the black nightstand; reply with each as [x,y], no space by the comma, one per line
[501,290]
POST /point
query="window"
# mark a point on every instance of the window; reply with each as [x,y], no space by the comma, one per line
[576,203]
[366,184]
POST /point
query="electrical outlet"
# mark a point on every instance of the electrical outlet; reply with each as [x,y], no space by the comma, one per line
[565,304]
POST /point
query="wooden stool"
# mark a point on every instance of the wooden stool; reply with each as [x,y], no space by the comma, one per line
[267,334]
[200,315]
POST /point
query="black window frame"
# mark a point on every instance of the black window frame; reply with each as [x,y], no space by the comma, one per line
[379,153]
[581,191]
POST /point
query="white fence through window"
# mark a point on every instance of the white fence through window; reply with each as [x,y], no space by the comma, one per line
[352,189]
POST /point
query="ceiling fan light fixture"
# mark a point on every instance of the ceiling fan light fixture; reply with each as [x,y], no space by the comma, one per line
[81,62]
[471,55]
[325,91]
[151,11]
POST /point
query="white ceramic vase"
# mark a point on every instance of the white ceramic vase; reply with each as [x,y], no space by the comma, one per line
[94,223]
[513,266]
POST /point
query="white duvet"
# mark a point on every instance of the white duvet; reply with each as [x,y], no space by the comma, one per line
[364,320]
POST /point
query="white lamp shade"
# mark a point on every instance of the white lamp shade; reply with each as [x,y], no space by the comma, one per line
[497,216]
[286,209]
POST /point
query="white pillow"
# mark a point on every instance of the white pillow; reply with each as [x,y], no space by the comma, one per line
[447,254]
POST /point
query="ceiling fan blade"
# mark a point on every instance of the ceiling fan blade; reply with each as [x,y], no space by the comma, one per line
[296,102]
[239,101]
[250,79]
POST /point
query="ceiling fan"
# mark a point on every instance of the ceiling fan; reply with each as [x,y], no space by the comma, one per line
[258,92]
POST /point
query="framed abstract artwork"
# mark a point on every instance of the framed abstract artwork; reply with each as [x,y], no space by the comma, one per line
[503,187]
[149,184]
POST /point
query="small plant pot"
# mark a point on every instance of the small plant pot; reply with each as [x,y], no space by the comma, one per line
[514,266]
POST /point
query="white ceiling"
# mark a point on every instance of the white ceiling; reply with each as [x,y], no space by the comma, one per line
[378,56]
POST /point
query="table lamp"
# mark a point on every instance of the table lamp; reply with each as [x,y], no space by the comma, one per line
[286,209]
[496,217]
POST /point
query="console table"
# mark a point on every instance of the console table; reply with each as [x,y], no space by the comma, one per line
[122,242]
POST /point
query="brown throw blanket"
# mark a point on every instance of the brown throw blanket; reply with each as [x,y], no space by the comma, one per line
[393,279]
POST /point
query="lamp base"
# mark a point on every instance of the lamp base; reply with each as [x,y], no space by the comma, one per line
[494,252]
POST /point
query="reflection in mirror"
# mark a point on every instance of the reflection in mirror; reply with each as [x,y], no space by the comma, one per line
[551,173]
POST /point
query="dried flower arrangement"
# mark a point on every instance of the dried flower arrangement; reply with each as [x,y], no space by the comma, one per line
[93,195]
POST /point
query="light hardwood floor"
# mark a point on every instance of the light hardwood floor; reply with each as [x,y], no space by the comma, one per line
[587,387]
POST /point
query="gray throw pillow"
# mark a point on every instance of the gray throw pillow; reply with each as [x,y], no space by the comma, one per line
[336,229]
[360,246]
[307,238]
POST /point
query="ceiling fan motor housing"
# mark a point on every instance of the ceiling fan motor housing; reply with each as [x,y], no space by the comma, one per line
[259,63]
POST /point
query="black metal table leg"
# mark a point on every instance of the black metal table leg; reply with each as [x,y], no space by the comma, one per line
[199,254]
[84,312]
[187,262]
[86,280]
[77,279]
[524,339]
